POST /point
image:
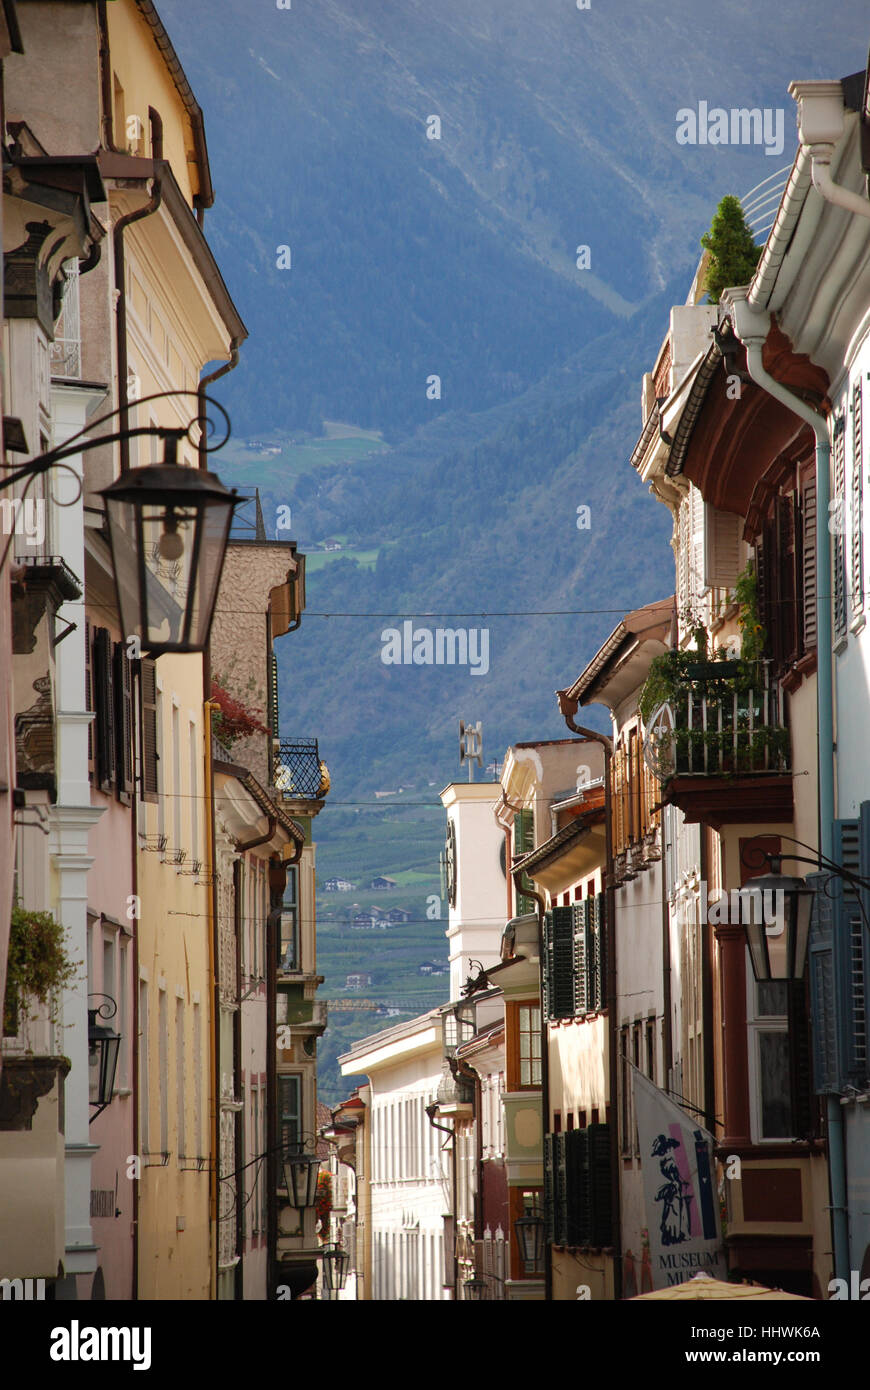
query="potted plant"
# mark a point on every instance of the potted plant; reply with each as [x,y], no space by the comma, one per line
[38,965]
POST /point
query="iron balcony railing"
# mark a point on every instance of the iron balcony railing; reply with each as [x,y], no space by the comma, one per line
[298,771]
[716,728]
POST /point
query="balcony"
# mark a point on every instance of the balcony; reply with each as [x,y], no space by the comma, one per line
[299,773]
[720,746]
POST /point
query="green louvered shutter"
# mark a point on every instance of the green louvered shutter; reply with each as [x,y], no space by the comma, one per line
[550,1187]
[560,1166]
[560,963]
[581,958]
[579,1205]
[601,1232]
[524,842]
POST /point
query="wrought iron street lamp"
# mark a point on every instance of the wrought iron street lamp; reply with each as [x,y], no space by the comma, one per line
[168,531]
[530,1238]
[776,910]
[300,1177]
[103,1048]
[474,1289]
[336,1262]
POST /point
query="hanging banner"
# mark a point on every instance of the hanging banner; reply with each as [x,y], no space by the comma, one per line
[680,1199]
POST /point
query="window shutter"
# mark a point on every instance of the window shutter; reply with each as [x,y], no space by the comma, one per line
[123,690]
[857,503]
[273,695]
[850,846]
[601,1232]
[809,564]
[837,521]
[581,957]
[104,705]
[684,541]
[560,963]
[148,701]
[560,1203]
[524,841]
[696,549]
[550,1187]
[579,1212]
[599,918]
[839,956]
[786,627]
[89,693]
[722,532]
[823,1000]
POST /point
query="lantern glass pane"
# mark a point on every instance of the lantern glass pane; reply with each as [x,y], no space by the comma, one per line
[214,525]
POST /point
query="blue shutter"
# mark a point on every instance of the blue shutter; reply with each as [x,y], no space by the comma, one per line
[850,838]
[823,1000]
[599,999]
[839,960]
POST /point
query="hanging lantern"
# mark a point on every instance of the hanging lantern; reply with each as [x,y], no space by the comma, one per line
[168,530]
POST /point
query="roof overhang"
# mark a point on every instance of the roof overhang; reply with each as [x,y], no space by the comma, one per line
[621,664]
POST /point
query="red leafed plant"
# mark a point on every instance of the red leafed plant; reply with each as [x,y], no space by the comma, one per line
[233,720]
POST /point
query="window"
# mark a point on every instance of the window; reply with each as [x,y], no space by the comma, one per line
[123,1012]
[163,1062]
[197,1080]
[651,1049]
[770,1086]
[288,937]
[177,810]
[528,1045]
[289,1111]
[193,799]
[144,1091]
[626,1117]
[180,1075]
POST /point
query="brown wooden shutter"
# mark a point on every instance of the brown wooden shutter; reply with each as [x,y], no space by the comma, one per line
[857,504]
[810,587]
[148,700]
[123,680]
[89,693]
[838,524]
[787,625]
[104,705]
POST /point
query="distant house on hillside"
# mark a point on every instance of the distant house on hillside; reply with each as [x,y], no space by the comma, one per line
[398,914]
[433,967]
[360,980]
[338,885]
[367,921]
[382,883]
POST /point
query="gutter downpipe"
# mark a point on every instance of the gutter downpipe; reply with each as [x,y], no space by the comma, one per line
[521,889]
[209,706]
[118,230]
[431,1112]
[204,383]
[568,708]
[751,327]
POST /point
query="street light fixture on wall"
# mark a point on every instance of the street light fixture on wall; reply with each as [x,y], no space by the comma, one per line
[301,1170]
[168,531]
[530,1238]
[776,911]
[103,1047]
[336,1262]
